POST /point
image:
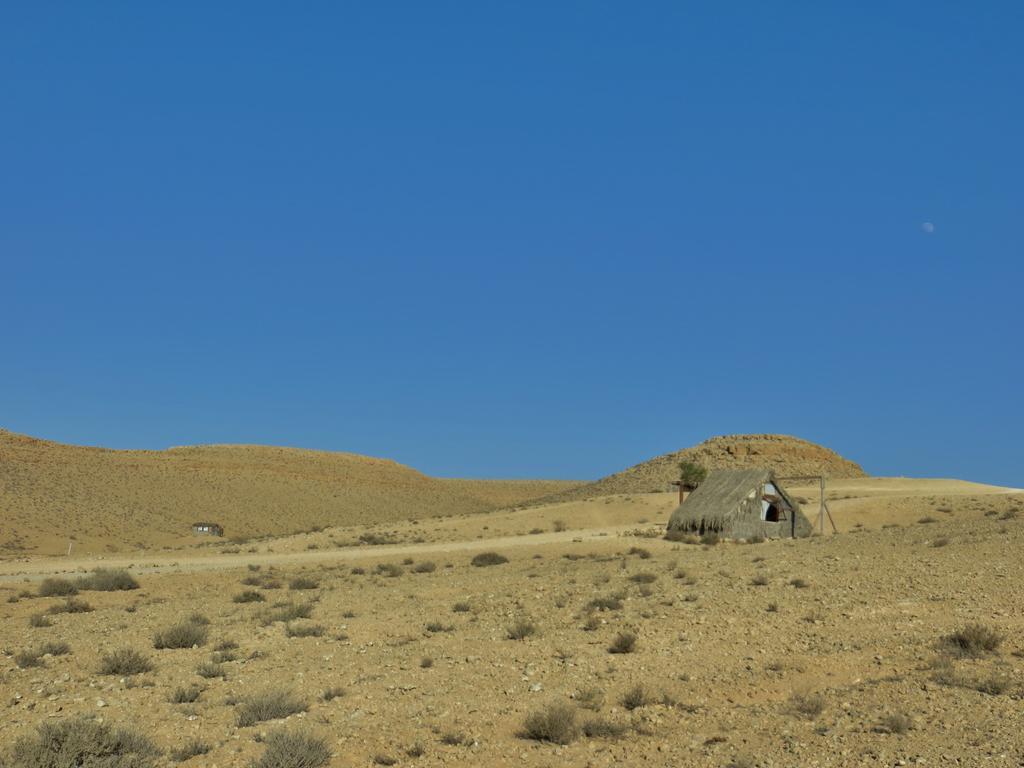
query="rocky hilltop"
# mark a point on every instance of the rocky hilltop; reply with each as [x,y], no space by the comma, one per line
[785,455]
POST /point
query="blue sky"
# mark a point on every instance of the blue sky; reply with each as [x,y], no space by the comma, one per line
[517,239]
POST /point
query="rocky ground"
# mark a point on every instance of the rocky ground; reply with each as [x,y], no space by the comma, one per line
[824,651]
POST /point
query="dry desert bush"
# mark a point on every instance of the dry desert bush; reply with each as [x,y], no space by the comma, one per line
[83,742]
[973,640]
[124,661]
[293,750]
[488,558]
[108,580]
[268,705]
[55,587]
[186,634]
[555,723]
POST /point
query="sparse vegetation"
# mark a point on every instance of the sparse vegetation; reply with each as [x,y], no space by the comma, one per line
[637,696]
[295,749]
[555,723]
[28,659]
[806,704]
[71,605]
[182,695]
[896,722]
[124,661]
[211,670]
[601,728]
[303,582]
[390,570]
[268,705]
[521,629]
[81,741]
[185,634]
[424,567]
[488,558]
[284,612]
[56,588]
[304,630]
[248,596]
[190,749]
[624,642]
[462,607]
[39,620]
[108,580]
[973,640]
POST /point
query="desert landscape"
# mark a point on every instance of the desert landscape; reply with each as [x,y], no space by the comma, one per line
[358,612]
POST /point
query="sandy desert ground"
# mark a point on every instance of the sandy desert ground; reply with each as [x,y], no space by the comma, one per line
[832,650]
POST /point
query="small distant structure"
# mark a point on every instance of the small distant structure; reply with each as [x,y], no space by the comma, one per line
[207,529]
[740,504]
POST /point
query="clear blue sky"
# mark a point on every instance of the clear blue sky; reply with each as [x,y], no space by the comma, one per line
[517,239]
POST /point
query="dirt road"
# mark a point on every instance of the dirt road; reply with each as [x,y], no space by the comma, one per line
[35,569]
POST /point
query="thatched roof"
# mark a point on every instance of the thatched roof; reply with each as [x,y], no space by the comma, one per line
[720,503]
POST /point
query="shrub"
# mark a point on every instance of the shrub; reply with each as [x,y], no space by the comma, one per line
[248,596]
[636,697]
[521,629]
[383,759]
[190,749]
[211,670]
[973,640]
[437,626]
[640,552]
[197,618]
[390,570]
[927,520]
[220,657]
[124,661]
[895,723]
[188,695]
[643,578]
[82,741]
[555,723]
[28,659]
[108,580]
[55,649]
[427,567]
[357,571]
[426,662]
[332,693]
[303,630]
[760,580]
[599,728]
[269,705]
[285,612]
[462,607]
[293,750]
[590,698]
[375,539]
[610,603]
[942,541]
[183,635]
[71,605]
[39,620]
[559,526]
[624,642]
[57,588]
[710,539]
[800,583]
[488,558]
[303,582]
[453,738]
[808,705]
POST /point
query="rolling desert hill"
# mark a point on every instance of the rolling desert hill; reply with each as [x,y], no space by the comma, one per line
[787,456]
[104,499]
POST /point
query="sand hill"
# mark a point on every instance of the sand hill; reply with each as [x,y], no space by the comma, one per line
[114,499]
[787,456]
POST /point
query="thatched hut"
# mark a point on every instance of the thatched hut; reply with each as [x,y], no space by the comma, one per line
[741,504]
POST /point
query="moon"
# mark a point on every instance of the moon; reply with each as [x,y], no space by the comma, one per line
[928,227]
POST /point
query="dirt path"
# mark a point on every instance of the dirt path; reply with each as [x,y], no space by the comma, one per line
[36,569]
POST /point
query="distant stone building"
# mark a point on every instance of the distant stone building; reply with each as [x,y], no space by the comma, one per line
[741,504]
[207,529]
